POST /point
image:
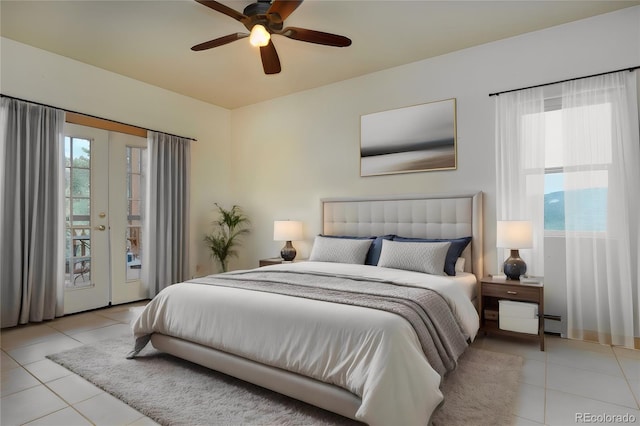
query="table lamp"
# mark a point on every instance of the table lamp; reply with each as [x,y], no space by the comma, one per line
[514,235]
[287,230]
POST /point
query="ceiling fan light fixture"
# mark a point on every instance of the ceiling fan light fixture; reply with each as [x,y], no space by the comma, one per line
[259,36]
[263,18]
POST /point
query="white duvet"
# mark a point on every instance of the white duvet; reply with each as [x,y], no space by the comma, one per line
[373,354]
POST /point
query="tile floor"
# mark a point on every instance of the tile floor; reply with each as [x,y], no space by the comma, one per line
[571,377]
[36,391]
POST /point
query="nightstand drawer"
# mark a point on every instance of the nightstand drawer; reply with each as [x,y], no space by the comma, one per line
[272,261]
[512,292]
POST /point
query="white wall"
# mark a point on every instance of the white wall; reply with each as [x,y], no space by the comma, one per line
[290,152]
[278,158]
[40,76]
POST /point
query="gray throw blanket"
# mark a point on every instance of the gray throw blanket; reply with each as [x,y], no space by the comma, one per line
[440,335]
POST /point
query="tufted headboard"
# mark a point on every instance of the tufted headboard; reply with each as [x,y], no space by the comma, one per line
[417,216]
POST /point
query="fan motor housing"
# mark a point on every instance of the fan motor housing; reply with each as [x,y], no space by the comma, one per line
[257,13]
[259,8]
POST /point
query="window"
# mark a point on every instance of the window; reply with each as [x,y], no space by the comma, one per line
[575,189]
[582,153]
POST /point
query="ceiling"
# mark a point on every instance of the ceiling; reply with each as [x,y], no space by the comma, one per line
[150,40]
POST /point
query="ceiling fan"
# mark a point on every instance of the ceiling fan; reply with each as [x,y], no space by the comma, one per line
[262,19]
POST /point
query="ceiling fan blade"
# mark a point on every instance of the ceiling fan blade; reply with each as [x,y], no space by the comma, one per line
[284,8]
[270,60]
[318,37]
[219,7]
[219,41]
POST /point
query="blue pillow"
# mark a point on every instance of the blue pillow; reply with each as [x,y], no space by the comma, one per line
[376,248]
[373,255]
[455,250]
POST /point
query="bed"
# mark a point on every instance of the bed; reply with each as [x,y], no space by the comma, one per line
[344,336]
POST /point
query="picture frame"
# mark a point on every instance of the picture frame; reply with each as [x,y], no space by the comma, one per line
[411,139]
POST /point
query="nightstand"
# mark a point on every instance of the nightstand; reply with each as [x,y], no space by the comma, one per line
[492,290]
[276,261]
[271,261]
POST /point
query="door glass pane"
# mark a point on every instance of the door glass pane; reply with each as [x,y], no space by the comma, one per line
[81,209]
[135,187]
[77,212]
[80,182]
[81,153]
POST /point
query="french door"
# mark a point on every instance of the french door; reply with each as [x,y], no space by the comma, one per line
[103,204]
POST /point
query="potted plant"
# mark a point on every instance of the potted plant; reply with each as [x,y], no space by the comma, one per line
[223,240]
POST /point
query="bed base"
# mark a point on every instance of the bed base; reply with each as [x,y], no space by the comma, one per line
[326,396]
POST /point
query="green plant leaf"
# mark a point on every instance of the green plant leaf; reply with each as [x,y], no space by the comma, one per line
[228,228]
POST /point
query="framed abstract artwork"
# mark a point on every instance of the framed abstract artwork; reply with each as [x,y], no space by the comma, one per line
[417,138]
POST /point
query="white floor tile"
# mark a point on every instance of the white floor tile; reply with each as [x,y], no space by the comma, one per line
[531,403]
[109,332]
[7,363]
[15,337]
[630,367]
[626,353]
[28,405]
[562,409]
[16,380]
[80,323]
[590,384]
[533,372]
[570,355]
[554,342]
[635,388]
[520,421]
[46,370]
[67,417]
[124,314]
[144,421]
[104,409]
[73,389]
[38,351]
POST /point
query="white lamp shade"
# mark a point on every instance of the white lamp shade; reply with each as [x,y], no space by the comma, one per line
[514,234]
[287,230]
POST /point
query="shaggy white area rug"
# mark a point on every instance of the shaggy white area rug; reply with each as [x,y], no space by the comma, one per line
[482,390]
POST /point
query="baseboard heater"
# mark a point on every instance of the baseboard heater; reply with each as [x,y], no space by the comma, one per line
[552,318]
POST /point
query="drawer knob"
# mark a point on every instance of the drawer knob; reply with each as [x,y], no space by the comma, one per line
[511,292]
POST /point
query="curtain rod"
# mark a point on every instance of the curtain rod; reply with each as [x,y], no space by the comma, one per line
[93,116]
[564,81]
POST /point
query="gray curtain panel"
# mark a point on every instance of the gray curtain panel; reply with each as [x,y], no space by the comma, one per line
[31,218]
[166,217]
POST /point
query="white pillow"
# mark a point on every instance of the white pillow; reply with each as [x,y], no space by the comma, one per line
[420,257]
[339,250]
[460,264]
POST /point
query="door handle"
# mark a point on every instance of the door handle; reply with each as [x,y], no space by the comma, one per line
[101,227]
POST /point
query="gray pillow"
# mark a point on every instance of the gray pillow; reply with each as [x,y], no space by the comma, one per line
[420,257]
[339,250]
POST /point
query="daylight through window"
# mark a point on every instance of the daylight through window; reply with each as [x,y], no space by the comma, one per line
[575,185]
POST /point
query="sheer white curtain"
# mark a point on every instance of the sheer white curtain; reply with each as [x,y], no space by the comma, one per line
[602,264]
[520,163]
[32,216]
[166,216]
